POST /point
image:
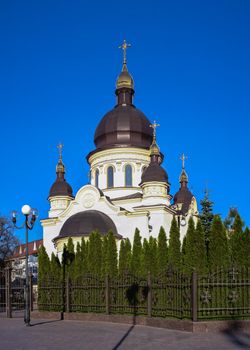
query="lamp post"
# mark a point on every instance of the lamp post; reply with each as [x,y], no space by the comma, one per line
[30,218]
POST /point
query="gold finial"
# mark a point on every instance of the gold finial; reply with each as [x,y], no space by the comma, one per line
[124,47]
[183,158]
[60,168]
[154,126]
[60,148]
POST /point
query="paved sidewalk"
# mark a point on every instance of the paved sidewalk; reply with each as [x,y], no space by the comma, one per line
[71,335]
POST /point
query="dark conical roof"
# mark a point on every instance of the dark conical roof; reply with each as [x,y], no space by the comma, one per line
[183,196]
[60,187]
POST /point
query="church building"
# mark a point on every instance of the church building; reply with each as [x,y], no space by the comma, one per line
[129,186]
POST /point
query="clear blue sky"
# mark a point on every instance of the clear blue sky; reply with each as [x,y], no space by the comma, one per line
[58,65]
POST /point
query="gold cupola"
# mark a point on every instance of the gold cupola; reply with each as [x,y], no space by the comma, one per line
[124,79]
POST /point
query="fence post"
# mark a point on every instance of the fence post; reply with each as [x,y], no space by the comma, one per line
[107,294]
[31,291]
[67,294]
[194,296]
[149,295]
[8,292]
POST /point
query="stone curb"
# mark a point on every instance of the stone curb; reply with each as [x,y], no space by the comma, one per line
[179,325]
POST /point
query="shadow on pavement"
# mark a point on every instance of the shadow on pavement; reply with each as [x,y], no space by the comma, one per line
[123,338]
[44,322]
[235,334]
[132,297]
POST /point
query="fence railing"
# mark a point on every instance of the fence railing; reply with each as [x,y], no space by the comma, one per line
[223,294]
[12,297]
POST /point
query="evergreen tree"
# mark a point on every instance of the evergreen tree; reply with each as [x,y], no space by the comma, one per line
[153,268]
[124,256]
[43,265]
[84,256]
[95,254]
[183,252]
[55,268]
[206,217]
[111,263]
[87,255]
[246,247]
[189,247]
[69,257]
[145,259]
[229,220]
[201,257]
[174,250]
[162,251]
[218,253]
[77,264]
[104,255]
[136,258]
[236,242]
[195,249]
[128,250]
[43,278]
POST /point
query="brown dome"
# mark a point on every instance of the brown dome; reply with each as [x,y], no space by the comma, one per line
[124,126]
[85,222]
[184,197]
[154,172]
[60,187]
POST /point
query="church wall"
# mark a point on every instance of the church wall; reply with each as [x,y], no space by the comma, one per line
[118,158]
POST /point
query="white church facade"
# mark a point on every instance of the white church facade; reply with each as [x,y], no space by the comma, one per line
[129,187]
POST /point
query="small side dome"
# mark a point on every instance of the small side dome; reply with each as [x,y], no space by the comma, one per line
[60,187]
[154,172]
[83,223]
[183,196]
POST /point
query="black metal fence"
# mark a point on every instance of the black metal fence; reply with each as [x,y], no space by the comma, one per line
[224,294]
[12,299]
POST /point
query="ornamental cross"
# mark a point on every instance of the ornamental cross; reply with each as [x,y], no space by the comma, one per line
[154,126]
[183,158]
[60,148]
[124,47]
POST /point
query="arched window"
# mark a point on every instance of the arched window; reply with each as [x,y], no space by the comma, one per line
[128,175]
[97,178]
[110,177]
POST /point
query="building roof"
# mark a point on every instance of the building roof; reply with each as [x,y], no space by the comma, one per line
[85,222]
[123,126]
[136,195]
[20,251]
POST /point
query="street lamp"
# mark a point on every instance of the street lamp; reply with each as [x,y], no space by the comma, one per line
[30,218]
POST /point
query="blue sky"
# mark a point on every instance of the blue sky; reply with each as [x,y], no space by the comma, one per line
[58,64]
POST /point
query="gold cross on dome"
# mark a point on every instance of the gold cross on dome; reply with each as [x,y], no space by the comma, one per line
[154,126]
[60,148]
[124,47]
[183,158]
